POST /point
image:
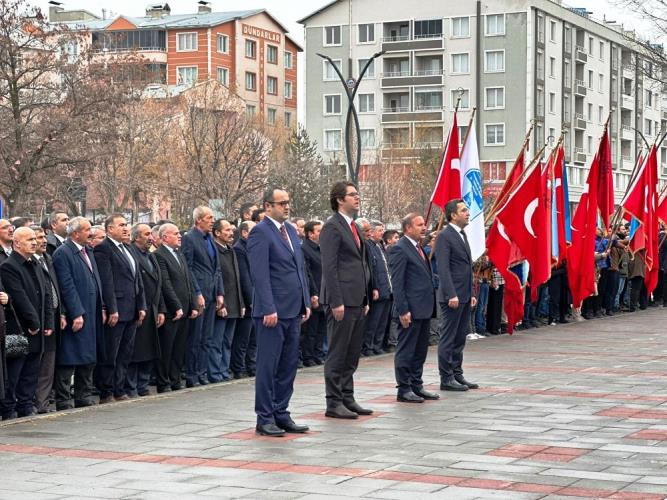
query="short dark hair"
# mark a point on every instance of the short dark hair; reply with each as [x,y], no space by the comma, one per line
[268,194]
[21,222]
[338,192]
[408,219]
[54,214]
[310,226]
[109,220]
[46,226]
[37,228]
[243,226]
[217,225]
[244,208]
[256,213]
[451,208]
[388,234]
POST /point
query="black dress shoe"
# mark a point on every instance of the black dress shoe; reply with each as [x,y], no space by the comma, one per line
[203,381]
[426,394]
[191,384]
[409,397]
[354,406]
[340,412]
[271,430]
[309,363]
[469,385]
[453,385]
[290,426]
[160,390]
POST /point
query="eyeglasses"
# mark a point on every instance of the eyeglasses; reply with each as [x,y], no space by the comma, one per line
[281,203]
[353,195]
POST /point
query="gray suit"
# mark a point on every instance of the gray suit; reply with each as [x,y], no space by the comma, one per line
[452,255]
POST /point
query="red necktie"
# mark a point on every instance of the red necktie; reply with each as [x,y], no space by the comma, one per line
[86,258]
[421,252]
[353,226]
[283,232]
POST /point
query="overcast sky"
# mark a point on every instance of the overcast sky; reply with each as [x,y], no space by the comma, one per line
[288,11]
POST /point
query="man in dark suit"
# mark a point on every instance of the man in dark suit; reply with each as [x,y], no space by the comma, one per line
[181,305]
[47,368]
[82,338]
[380,311]
[345,293]
[452,254]
[31,300]
[280,303]
[414,305]
[146,340]
[58,224]
[312,345]
[125,305]
[244,345]
[200,254]
[6,236]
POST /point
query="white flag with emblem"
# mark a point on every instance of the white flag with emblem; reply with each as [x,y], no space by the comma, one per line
[471,192]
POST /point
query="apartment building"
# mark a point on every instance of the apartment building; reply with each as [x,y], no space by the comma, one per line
[516,61]
[248,51]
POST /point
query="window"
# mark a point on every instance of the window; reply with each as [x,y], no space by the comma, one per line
[552,102]
[329,71]
[250,110]
[370,71]
[186,75]
[332,35]
[272,54]
[460,27]
[460,63]
[332,104]
[590,79]
[366,33]
[186,42]
[431,28]
[649,98]
[463,132]
[589,109]
[589,144]
[566,108]
[601,87]
[223,76]
[223,44]
[552,31]
[568,39]
[495,134]
[552,67]
[495,97]
[366,103]
[288,119]
[288,60]
[271,116]
[591,43]
[567,76]
[426,100]
[494,61]
[601,51]
[540,64]
[332,140]
[465,98]
[600,114]
[72,51]
[251,49]
[250,81]
[539,101]
[495,25]
[288,90]
[540,29]
[367,138]
[271,85]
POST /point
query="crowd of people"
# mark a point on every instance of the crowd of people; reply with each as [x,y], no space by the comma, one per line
[110,310]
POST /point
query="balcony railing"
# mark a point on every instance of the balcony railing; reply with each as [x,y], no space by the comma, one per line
[625,126]
[578,150]
[425,107]
[396,109]
[397,38]
[395,74]
[428,72]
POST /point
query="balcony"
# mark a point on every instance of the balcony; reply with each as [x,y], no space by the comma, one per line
[580,54]
[405,114]
[410,42]
[628,70]
[580,88]
[628,101]
[406,78]
[579,121]
[579,155]
[627,132]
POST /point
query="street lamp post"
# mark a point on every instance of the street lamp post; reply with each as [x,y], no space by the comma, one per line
[351,86]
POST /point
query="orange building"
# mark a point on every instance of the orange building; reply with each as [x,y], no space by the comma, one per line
[248,51]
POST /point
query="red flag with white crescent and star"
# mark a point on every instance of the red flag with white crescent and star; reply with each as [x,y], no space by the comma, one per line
[448,185]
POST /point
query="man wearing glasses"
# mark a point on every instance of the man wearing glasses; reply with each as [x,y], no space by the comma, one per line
[280,304]
[345,293]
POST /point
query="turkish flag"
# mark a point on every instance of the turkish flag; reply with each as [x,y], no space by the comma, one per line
[448,184]
[661,212]
[642,203]
[605,185]
[512,177]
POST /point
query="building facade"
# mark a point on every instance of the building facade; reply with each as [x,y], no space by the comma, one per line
[248,51]
[518,62]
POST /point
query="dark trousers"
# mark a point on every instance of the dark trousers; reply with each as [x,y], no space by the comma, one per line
[558,300]
[20,386]
[251,352]
[219,349]
[138,378]
[83,385]
[119,345]
[240,345]
[494,309]
[277,359]
[376,326]
[196,357]
[638,295]
[610,290]
[312,342]
[345,338]
[47,371]
[390,332]
[453,331]
[481,309]
[411,354]
[173,340]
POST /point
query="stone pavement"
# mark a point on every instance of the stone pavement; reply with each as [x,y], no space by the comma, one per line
[575,411]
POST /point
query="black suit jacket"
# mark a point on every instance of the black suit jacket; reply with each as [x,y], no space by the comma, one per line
[313,258]
[177,288]
[346,276]
[123,290]
[241,250]
[50,278]
[412,281]
[52,243]
[31,298]
[231,277]
[454,262]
